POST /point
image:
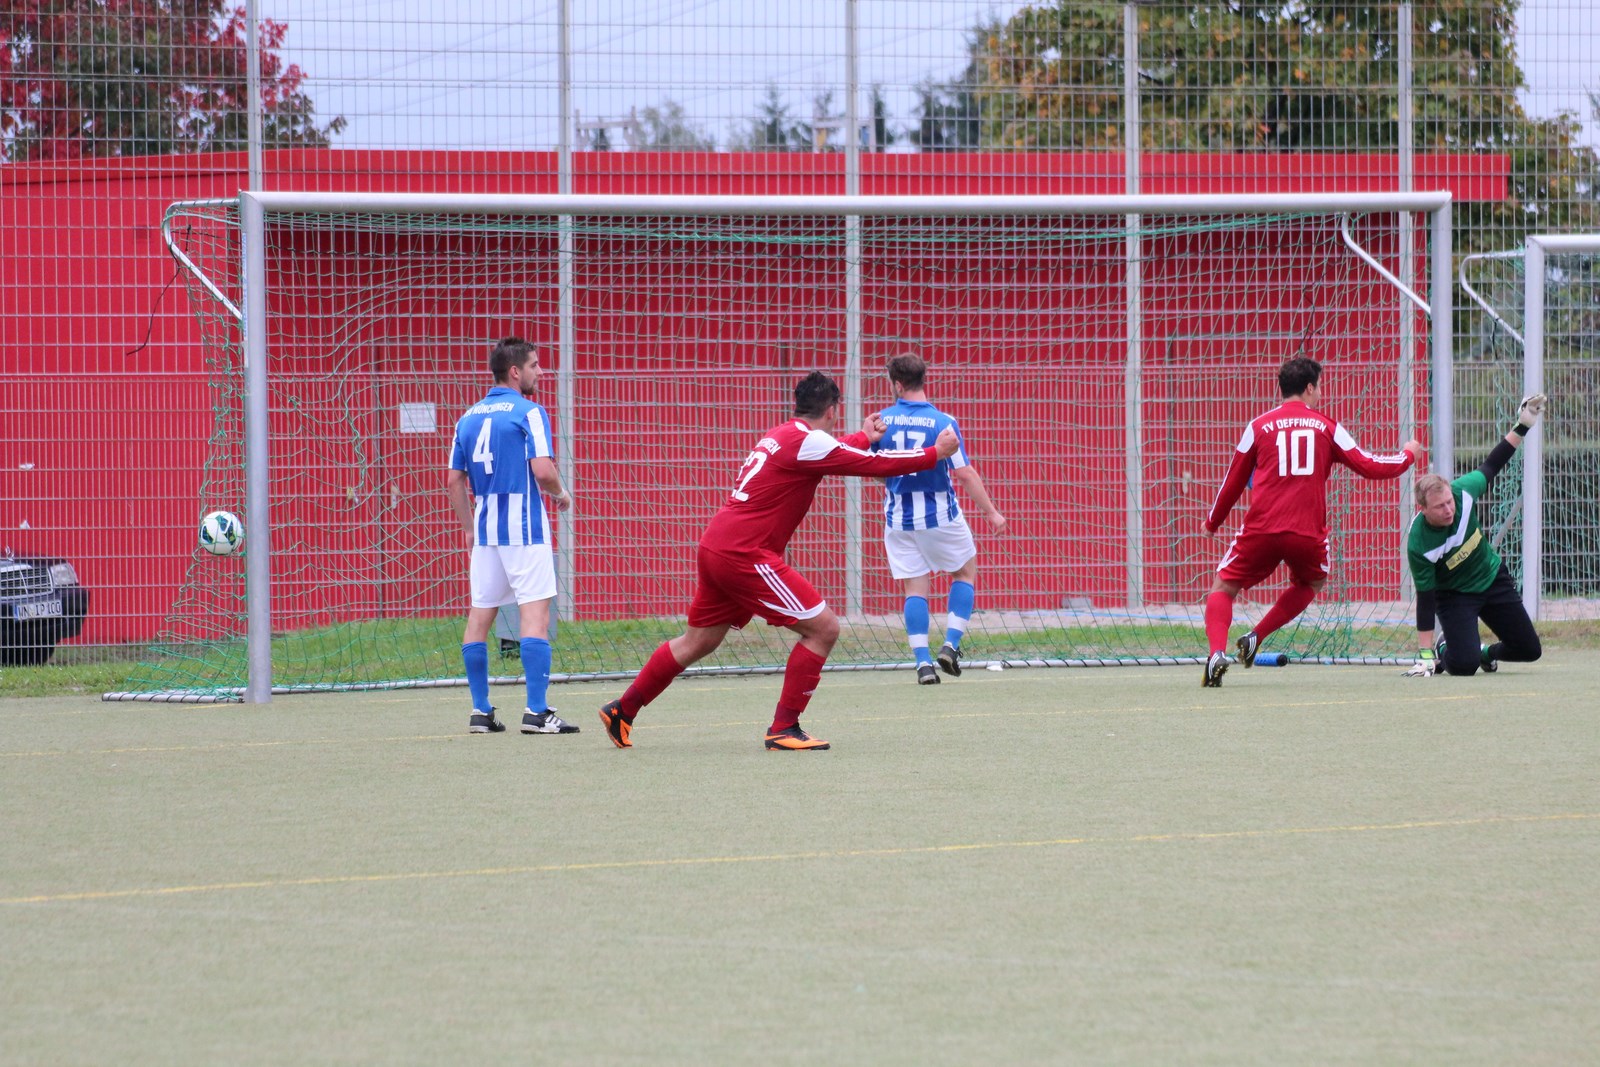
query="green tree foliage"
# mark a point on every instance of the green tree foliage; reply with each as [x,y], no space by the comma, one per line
[775,129]
[1292,75]
[772,129]
[668,128]
[883,132]
[949,114]
[96,78]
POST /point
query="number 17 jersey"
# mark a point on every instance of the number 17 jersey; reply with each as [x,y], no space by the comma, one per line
[925,499]
[1285,456]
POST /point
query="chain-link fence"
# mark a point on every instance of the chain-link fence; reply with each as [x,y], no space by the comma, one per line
[108,113]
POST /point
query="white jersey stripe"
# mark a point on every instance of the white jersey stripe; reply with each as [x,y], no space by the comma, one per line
[1458,536]
[541,432]
[508,519]
[918,510]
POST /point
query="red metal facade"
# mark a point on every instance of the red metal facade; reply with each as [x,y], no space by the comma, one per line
[103,459]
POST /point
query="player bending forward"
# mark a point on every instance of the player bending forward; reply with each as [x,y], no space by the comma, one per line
[1459,574]
[1286,455]
[741,569]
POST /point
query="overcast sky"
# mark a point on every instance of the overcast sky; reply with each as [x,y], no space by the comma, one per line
[481,73]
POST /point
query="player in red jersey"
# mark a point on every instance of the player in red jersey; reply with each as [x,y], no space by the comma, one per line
[1285,455]
[741,569]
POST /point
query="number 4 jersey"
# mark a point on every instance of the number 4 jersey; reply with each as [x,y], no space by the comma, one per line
[1285,456]
[493,443]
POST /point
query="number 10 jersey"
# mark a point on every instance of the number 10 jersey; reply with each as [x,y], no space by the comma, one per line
[1285,456]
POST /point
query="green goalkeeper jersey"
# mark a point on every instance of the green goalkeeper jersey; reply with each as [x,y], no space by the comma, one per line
[1457,557]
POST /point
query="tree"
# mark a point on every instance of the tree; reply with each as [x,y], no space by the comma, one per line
[1292,75]
[883,134]
[949,113]
[668,128]
[99,78]
[773,129]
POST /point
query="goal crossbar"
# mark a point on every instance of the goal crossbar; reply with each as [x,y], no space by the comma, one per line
[593,204]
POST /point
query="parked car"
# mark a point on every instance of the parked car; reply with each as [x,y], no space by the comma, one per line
[41,602]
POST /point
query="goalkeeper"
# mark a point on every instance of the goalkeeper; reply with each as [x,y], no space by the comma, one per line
[1459,575]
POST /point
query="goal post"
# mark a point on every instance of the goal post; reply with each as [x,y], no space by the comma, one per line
[704,309]
[1542,252]
[1545,287]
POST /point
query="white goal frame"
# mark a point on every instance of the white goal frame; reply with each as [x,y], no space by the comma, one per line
[1537,247]
[255,207]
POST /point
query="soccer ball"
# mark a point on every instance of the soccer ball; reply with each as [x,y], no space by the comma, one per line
[221,533]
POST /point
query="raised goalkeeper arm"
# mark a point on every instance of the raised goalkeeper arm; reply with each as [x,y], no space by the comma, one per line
[1528,414]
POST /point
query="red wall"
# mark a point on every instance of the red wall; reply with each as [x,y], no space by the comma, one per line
[106,440]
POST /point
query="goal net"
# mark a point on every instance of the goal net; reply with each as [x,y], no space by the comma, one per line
[1101,413]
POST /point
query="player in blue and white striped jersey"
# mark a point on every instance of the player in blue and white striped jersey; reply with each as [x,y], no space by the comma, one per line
[924,530]
[500,470]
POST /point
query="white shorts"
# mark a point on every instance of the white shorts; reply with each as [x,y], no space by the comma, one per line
[512,574]
[913,553]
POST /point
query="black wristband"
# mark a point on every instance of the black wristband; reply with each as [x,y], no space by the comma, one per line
[1521,430]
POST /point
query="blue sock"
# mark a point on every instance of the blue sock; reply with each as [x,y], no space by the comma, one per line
[917,627]
[476,658]
[961,597]
[536,664]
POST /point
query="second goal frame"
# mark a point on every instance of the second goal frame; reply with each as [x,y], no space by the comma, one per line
[1537,248]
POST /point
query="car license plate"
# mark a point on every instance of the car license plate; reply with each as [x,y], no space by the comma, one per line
[39,609]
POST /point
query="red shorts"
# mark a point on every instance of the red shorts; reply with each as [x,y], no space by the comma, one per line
[731,589]
[1252,557]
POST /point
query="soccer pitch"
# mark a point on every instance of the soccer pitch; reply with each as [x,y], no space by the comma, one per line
[1310,864]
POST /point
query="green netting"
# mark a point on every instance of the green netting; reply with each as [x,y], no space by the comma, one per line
[685,336]
[1489,384]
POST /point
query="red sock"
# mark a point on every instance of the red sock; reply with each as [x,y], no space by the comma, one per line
[1219,616]
[1288,607]
[658,673]
[800,680]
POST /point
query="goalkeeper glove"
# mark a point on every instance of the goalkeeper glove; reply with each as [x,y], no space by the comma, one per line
[1425,666]
[1529,411]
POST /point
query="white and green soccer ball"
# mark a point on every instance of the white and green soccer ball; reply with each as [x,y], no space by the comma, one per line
[221,533]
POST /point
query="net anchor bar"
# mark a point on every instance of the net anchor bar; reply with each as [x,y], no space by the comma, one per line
[1371,261]
[1467,288]
[187,263]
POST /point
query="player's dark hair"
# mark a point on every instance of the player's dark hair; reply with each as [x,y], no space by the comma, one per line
[1298,374]
[511,352]
[815,394]
[907,370]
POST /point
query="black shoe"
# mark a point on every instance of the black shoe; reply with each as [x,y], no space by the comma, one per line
[926,674]
[949,658]
[1216,667]
[546,722]
[1487,661]
[620,730]
[1246,647]
[485,723]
